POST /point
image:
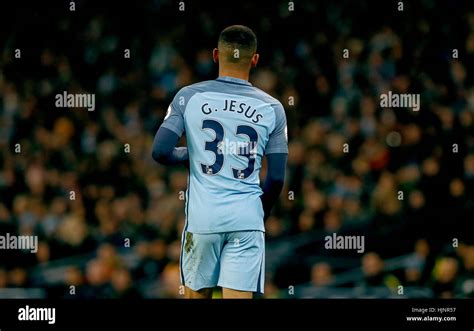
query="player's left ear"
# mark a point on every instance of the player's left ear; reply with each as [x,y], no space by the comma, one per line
[215,55]
[254,61]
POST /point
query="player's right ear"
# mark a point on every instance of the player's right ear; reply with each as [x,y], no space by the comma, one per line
[254,61]
[215,55]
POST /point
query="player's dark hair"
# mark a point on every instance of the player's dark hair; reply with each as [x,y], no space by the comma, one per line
[238,37]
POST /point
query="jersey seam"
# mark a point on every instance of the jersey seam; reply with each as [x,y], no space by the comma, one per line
[186,105]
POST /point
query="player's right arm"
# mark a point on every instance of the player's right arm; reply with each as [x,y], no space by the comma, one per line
[274,180]
[276,152]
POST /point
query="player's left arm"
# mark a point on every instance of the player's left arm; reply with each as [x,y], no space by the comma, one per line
[164,150]
[276,152]
[169,133]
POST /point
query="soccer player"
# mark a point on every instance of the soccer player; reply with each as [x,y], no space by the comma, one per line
[229,125]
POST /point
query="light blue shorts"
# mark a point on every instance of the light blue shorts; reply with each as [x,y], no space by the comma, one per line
[234,260]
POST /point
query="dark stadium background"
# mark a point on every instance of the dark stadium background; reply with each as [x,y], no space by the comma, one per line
[122,195]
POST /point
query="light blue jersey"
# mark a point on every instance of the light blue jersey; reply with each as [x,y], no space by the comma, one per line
[229,126]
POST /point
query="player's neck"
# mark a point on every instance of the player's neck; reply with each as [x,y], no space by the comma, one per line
[229,72]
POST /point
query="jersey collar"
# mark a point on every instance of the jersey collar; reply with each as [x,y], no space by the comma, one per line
[233,80]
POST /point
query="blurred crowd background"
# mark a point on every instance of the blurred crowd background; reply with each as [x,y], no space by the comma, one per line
[406,182]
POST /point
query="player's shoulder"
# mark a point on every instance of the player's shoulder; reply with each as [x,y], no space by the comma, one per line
[187,92]
[275,104]
[267,98]
[196,87]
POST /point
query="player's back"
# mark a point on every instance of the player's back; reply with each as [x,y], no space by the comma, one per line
[229,126]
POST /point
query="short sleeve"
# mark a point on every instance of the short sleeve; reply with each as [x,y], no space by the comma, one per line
[278,140]
[174,119]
